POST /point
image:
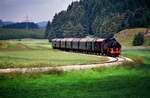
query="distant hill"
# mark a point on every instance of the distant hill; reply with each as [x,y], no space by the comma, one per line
[100,18]
[7,22]
[22,25]
[42,24]
[125,37]
[2,23]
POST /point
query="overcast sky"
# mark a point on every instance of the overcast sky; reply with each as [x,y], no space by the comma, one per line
[36,10]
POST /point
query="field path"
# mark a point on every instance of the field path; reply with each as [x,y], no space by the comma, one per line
[111,62]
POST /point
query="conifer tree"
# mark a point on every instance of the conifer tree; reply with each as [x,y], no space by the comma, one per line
[138,39]
[48,27]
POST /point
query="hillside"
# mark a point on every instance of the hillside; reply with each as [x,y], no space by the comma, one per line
[2,23]
[42,24]
[100,18]
[125,37]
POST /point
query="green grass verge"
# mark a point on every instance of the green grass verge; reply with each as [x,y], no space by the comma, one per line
[126,81]
[38,53]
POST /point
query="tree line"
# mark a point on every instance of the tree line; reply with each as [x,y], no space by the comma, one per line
[21,33]
[21,30]
[22,25]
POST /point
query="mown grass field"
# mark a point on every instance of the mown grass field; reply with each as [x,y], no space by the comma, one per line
[126,81]
[39,53]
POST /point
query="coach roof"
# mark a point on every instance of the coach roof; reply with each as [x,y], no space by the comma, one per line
[99,39]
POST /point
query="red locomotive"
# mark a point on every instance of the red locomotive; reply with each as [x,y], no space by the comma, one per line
[109,47]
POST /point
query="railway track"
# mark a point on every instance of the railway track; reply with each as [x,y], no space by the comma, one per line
[120,59]
[112,62]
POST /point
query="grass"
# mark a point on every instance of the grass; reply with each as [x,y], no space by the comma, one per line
[21,33]
[126,36]
[38,53]
[143,55]
[126,81]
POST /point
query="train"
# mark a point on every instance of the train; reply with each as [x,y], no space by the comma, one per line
[101,46]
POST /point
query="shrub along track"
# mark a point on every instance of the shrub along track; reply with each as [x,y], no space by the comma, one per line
[111,62]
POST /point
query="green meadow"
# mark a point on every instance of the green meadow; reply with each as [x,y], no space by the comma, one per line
[39,53]
[129,80]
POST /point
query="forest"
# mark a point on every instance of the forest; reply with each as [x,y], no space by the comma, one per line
[99,18]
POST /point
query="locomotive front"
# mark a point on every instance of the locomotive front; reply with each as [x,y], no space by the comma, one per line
[112,47]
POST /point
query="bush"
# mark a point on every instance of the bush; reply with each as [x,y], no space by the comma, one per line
[138,39]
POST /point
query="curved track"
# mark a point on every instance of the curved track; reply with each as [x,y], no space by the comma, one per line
[117,59]
[111,62]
